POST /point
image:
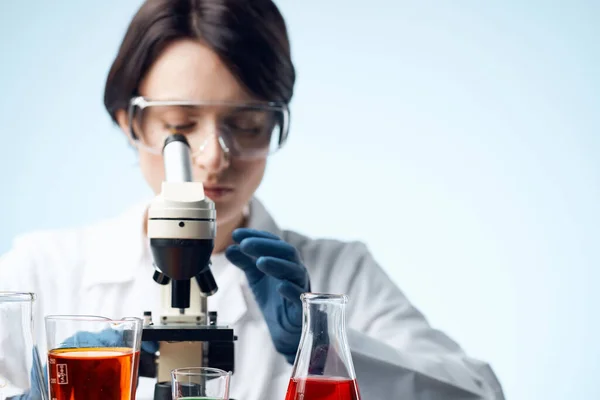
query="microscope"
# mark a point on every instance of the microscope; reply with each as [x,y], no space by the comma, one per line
[181,229]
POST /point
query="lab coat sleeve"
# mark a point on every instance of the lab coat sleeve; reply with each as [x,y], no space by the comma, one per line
[396,353]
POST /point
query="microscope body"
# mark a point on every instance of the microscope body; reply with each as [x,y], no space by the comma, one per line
[181,229]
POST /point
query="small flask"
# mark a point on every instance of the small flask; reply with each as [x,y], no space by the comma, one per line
[323,369]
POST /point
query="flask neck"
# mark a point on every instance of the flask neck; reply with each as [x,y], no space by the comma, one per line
[324,349]
[16,311]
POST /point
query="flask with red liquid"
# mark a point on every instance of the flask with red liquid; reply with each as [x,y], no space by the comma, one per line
[323,369]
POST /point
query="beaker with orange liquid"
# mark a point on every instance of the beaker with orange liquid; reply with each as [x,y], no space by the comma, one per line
[323,369]
[93,358]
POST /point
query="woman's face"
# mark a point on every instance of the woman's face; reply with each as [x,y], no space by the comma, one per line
[189,70]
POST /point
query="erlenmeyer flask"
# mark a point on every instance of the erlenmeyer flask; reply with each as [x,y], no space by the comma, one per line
[323,369]
[21,373]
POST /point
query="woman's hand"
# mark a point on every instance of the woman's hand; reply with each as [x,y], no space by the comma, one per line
[277,278]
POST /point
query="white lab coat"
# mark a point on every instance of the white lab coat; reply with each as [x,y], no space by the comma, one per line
[106,270]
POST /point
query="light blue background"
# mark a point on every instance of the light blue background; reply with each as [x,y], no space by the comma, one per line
[460,140]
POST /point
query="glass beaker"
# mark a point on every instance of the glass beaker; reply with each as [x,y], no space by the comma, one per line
[93,358]
[323,369]
[200,383]
[21,372]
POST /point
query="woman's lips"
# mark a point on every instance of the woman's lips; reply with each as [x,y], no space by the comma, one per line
[217,192]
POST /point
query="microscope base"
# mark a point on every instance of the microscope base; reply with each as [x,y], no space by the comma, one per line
[212,345]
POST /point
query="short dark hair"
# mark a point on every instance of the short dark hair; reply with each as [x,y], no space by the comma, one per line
[250,37]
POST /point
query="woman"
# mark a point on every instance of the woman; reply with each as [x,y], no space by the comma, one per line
[220,72]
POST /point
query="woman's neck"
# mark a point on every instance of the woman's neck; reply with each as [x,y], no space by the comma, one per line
[224,231]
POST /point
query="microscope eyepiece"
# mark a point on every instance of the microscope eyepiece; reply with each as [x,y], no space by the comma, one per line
[176,159]
[177,137]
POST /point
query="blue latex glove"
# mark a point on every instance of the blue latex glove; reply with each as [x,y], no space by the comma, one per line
[150,347]
[277,278]
[106,338]
[37,381]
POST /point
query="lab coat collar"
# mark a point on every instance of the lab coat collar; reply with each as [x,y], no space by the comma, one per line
[260,219]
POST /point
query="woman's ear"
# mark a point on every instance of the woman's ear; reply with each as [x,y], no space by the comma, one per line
[123,122]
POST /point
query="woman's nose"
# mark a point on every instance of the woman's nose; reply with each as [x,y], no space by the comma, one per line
[212,154]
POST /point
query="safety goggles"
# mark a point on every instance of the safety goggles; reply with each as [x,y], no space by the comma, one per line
[247,131]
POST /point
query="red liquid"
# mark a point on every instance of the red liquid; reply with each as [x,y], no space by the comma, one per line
[322,389]
[92,374]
